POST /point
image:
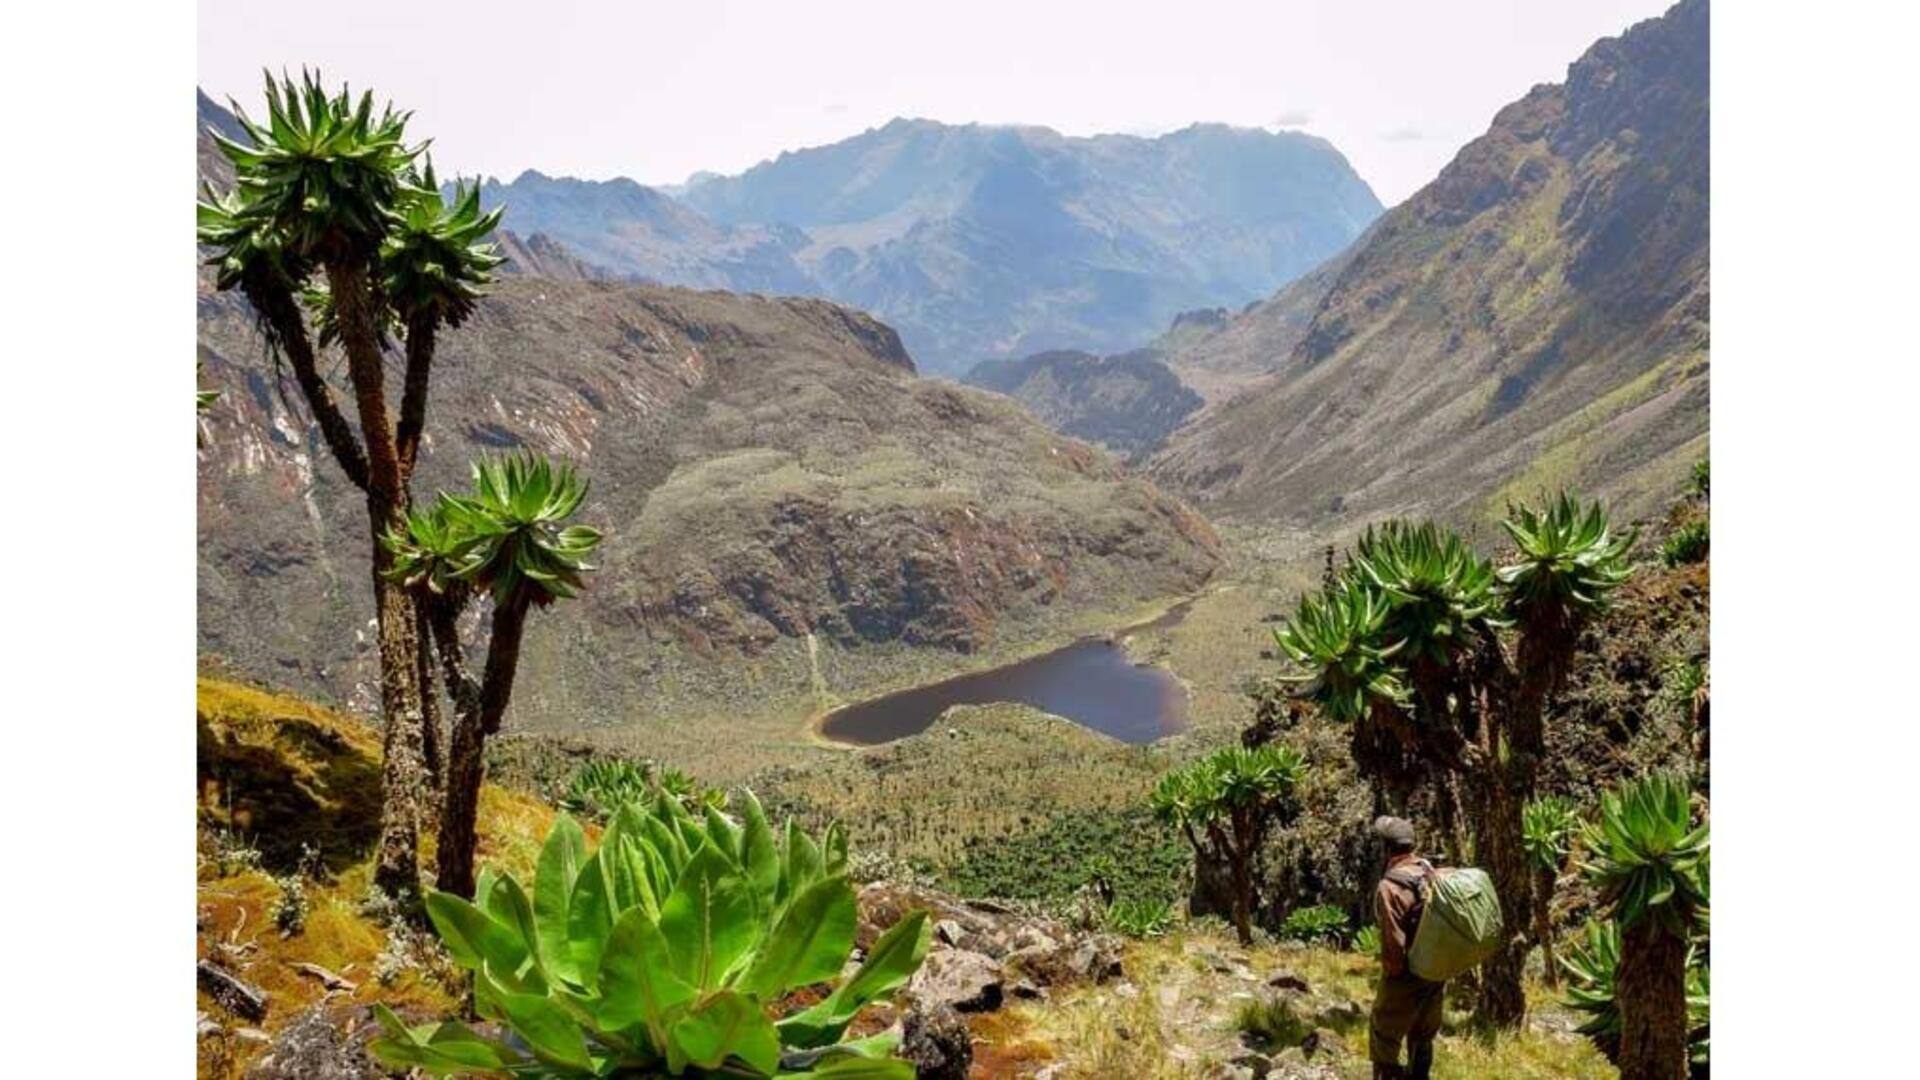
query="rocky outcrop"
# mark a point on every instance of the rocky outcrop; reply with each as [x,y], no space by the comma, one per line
[1128,403]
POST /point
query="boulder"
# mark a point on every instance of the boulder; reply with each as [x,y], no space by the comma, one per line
[938,1043]
[958,979]
[1287,980]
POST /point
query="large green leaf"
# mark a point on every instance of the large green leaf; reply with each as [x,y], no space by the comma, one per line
[726,1025]
[472,936]
[553,1035]
[637,981]
[590,914]
[759,853]
[889,964]
[446,1049]
[708,920]
[810,943]
[559,866]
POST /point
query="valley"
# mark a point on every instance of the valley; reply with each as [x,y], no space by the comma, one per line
[1084,537]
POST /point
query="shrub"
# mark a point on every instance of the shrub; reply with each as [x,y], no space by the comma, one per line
[1136,855]
[666,951]
[1321,924]
[601,787]
[291,906]
[1698,481]
[1688,544]
[1271,1023]
[1138,918]
[1367,941]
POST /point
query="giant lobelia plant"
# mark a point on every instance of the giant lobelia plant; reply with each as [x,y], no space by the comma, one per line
[666,951]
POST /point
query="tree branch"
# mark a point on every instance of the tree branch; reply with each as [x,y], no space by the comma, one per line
[413,400]
[274,301]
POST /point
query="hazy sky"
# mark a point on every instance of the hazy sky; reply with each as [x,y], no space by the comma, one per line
[657,91]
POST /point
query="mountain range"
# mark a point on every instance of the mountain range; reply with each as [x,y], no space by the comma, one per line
[977,241]
[777,483]
[1536,317]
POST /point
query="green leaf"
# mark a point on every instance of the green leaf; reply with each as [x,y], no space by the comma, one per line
[889,964]
[590,914]
[759,853]
[552,1035]
[708,920]
[726,1025]
[810,943]
[472,936]
[637,981]
[559,866]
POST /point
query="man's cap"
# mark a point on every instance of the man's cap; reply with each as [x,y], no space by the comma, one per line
[1393,830]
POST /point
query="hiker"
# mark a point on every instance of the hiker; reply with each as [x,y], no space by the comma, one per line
[1406,1006]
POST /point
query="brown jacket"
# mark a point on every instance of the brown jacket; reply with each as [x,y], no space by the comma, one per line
[1395,908]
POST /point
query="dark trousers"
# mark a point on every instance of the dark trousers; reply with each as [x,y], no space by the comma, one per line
[1406,1008]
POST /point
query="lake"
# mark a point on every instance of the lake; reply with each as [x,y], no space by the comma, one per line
[1091,682]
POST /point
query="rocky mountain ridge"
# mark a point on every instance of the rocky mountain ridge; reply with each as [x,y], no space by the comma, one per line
[977,241]
[1535,317]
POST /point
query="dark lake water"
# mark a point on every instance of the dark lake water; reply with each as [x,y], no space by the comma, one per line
[1090,682]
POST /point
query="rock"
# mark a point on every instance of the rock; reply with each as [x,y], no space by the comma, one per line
[205,1026]
[1095,958]
[1027,991]
[233,994]
[938,1043]
[320,1044]
[1258,1065]
[1287,980]
[967,981]
[252,1035]
[1324,1041]
[948,931]
[1346,1014]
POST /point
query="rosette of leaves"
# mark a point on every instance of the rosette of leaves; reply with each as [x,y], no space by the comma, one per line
[1224,804]
[1548,825]
[1366,941]
[323,172]
[1648,858]
[1320,923]
[1437,589]
[666,951]
[1569,560]
[1336,636]
[1138,917]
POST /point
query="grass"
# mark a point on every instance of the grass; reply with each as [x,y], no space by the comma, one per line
[1175,1015]
[278,774]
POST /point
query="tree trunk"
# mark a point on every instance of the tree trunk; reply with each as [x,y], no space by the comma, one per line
[396,867]
[1499,846]
[479,716]
[430,725]
[1543,883]
[1651,990]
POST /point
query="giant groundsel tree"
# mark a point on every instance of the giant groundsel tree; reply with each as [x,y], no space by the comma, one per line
[338,236]
[507,539]
[1443,663]
[1224,804]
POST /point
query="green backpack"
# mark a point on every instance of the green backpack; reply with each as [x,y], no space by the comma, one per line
[1459,919]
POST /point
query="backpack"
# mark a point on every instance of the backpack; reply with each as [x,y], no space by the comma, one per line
[1457,919]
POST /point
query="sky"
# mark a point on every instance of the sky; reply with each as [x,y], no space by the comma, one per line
[658,91]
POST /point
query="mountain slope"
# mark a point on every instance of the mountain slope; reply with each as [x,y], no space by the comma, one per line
[1127,403]
[772,475]
[1535,317]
